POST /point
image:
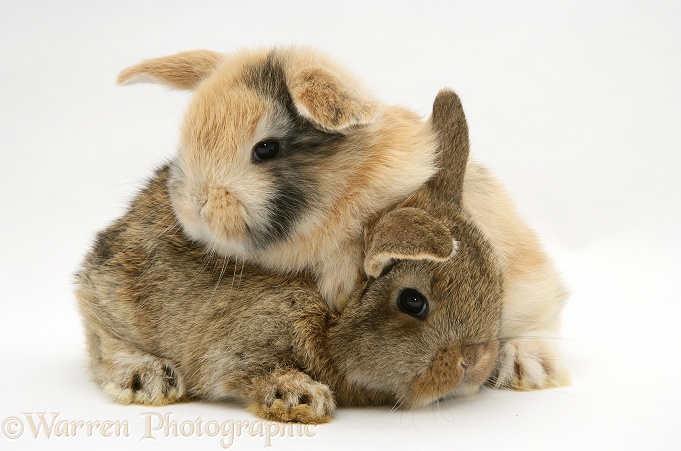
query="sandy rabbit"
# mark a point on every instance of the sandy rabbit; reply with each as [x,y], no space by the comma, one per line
[284,156]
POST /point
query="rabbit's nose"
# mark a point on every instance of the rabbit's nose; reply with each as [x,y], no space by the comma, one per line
[444,373]
[222,212]
[478,361]
[220,198]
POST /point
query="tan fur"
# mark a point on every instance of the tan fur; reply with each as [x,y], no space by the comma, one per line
[184,70]
[315,90]
[534,294]
[167,320]
[377,155]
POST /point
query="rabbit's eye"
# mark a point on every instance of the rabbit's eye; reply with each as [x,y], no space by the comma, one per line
[413,303]
[265,150]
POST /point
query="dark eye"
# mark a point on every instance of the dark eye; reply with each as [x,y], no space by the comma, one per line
[266,149]
[412,303]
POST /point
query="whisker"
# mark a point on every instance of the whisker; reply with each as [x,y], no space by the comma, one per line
[236,262]
[398,403]
[208,258]
[243,263]
[222,273]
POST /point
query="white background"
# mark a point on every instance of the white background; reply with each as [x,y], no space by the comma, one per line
[576,106]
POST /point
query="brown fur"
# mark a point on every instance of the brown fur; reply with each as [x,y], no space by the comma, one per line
[166,320]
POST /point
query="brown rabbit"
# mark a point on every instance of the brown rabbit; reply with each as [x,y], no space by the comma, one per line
[284,156]
[166,320]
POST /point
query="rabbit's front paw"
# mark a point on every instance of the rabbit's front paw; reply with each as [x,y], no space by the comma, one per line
[293,396]
[145,379]
[528,364]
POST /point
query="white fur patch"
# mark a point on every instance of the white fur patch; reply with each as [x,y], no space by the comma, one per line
[378,262]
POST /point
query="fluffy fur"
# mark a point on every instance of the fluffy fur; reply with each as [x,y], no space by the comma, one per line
[342,157]
[214,207]
[166,320]
[534,294]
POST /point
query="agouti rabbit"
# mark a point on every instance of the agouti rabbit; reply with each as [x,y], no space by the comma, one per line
[167,320]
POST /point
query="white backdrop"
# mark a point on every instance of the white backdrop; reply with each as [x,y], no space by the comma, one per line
[576,106]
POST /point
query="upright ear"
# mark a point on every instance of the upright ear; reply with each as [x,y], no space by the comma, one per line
[333,102]
[407,234]
[449,123]
[182,71]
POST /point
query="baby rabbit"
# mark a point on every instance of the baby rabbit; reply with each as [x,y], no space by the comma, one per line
[284,156]
[163,325]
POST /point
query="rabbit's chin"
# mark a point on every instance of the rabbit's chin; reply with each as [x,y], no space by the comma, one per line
[222,246]
[222,224]
[463,390]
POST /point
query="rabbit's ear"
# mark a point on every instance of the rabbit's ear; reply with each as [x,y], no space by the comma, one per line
[449,123]
[407,234]
[183,70]
[330,101]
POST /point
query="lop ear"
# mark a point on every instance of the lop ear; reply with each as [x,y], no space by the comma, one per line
[331,102]
[182,71]
[407,234]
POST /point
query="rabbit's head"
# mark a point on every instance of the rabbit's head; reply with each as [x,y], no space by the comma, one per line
[262,136]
